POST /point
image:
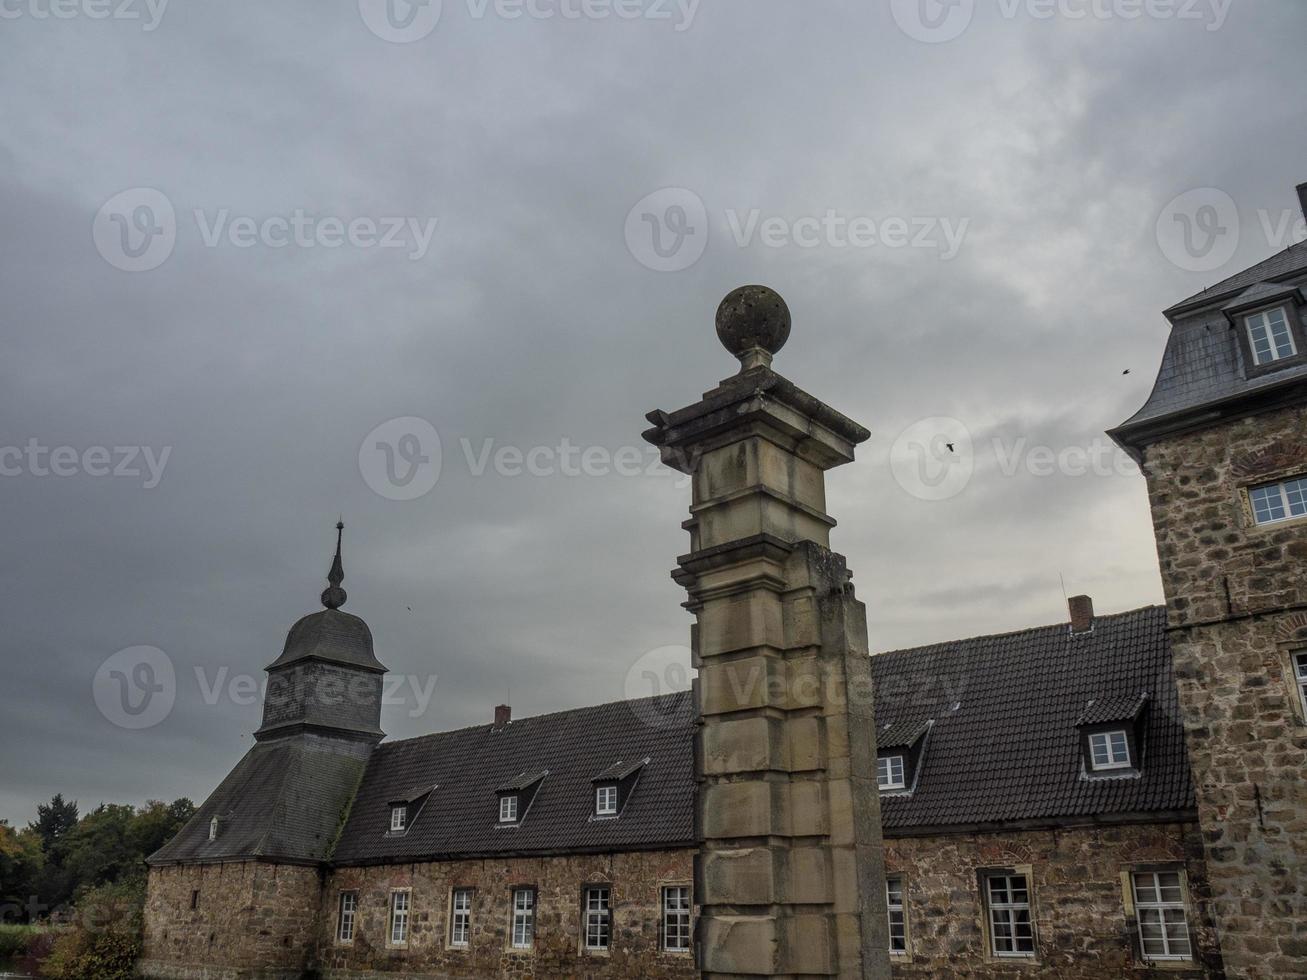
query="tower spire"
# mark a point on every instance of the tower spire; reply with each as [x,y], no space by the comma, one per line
[333,597]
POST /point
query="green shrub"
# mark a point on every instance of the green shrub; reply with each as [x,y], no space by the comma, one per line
[15,940]
[105,939]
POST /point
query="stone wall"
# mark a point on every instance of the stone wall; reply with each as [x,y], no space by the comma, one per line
[1078,901]
[249,920]
[636,879]
[1237,603]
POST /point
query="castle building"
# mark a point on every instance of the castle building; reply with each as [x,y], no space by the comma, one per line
[1114,795]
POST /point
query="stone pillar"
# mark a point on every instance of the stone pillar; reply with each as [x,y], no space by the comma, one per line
[789,873]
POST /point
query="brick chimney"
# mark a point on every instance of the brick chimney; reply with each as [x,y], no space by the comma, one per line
[503,716]
[1082,613]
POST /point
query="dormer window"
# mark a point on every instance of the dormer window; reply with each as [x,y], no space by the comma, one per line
[890,772]
[213,829]
[398,819]
[1270,336]
[1109,750]
[1112,736]
[1275,502]
[606,801]
[614,786]
[508,809]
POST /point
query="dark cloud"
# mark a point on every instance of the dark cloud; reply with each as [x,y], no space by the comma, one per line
[528,321]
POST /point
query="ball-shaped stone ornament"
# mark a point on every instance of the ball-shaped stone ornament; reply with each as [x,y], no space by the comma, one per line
[751,317]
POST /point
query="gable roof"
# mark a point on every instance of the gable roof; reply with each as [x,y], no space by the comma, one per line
[470,766]
[1010,749]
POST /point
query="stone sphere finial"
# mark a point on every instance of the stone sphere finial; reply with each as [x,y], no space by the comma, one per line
[753,323]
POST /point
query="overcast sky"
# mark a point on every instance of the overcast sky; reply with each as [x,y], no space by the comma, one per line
[970,212]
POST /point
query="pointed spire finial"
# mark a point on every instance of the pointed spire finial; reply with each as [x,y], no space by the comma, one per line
[334,596]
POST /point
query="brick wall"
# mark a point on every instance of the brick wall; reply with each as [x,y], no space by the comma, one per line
[1236,598]
[1077,900]
[635,879]
[250,920]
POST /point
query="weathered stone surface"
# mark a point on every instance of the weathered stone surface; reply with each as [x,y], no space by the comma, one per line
[1078,901]
[1236,599]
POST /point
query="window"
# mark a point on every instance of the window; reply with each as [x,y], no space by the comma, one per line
[889,772]
[1279,501]
[676,919]
[898,923]
[606,801]
[1109,750]
[1010,930]
[524,902]
[1271,336]
[1163,923]
[597,929]
[508,809]
[213,829]
[195,899]
[1300,673]
[460,917]
[398,819]
[399,918]
[349,904]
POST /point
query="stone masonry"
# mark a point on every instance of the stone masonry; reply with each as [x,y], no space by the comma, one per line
[1237,605]
[789,875]
[1081,901]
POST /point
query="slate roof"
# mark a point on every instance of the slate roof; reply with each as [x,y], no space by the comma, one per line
[1203,362]
[330,634]
[469,767]
[1010,751]
[283,801]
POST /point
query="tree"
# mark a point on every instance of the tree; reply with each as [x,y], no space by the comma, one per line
[21,861]
[53,821]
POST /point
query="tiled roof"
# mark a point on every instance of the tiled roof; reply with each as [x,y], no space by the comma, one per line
[469,767]
[1100,711]
[1284,263]
[903,735]
[1203,361]
[1005,746]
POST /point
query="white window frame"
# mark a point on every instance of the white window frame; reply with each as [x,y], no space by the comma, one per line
[1116,750]
[1299,658]
[896,903]
[1262,321]
[1008,914]
[524,905]
[606,801]
[1281,489]
[678,933]
[508,809]
[888,774]
[347,916]
[398,819]
[213,829]
[1158,910]
[401,902]
[598,924]
[460,918]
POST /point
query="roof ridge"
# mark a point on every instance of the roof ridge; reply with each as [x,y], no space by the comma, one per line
[548,714]
[1017,632]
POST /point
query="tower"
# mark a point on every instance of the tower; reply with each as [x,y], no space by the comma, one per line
[1223,444]
[789,872]
[241,880]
